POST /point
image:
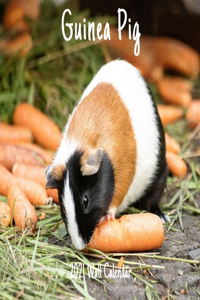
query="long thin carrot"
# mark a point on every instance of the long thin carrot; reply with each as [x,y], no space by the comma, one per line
[176,165]
[171,144]
[6,180]
[36,174]
[169,114]
[5,214]
[47,155]
[10,154]
[21,44]
[145,61]
[176,55]
[193,113]
[45,131]
[35,193]
[24,212]
[14,134]
[14,19]
[137,232]
[175,90]
[17,9]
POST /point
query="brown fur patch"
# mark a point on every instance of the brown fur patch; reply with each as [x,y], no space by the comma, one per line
[58,171]
[102,120]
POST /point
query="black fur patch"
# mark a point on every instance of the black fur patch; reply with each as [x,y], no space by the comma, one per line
[53,182]
[99,188]
[150,199]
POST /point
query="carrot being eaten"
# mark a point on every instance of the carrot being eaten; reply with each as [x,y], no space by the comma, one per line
[11,154]
[169,114]
[36,174]
[14,134]
[5,214]
[137,232]
[45,132]
[176,165]
[23,211]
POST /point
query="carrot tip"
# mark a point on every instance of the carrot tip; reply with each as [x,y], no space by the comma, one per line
[29,224]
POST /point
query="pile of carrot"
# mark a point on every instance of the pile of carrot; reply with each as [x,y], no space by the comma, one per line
[23,163]
[156,55]
[14,21]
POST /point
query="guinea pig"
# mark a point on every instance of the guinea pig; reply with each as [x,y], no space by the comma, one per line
[112,153]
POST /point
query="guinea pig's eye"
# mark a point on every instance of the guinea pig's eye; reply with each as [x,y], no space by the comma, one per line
[85,201]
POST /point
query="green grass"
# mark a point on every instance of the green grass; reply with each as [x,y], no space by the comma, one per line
[52,77]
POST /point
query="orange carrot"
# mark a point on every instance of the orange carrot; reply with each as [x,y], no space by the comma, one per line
[176,165]
[171,144]
[14,19]
[17,9]
[5,214]
[145,61]
[169,114]
[10,154]
[24,213]
[22,44]
[120,263]
[137,232]
[53,193]
[193,113]
[45,131]
[36,174]
[35,193]
[43,216]
[6,180]
[175,90]
[176,55]
[47,155]
[14,134]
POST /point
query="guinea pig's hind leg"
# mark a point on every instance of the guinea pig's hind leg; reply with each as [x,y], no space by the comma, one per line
[110,215]
[149,201]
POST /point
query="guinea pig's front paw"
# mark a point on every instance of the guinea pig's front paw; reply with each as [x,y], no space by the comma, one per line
[166,219]
[110,215]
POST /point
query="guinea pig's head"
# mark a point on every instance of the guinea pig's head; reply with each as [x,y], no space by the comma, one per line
[86,187]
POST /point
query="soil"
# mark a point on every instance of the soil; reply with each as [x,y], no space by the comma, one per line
[178,280]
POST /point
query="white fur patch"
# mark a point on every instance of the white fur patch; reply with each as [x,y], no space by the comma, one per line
[72,226]
[65,151]
[132,89]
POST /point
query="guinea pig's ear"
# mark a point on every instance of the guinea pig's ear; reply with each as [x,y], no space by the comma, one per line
[91,161]
[53,174]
